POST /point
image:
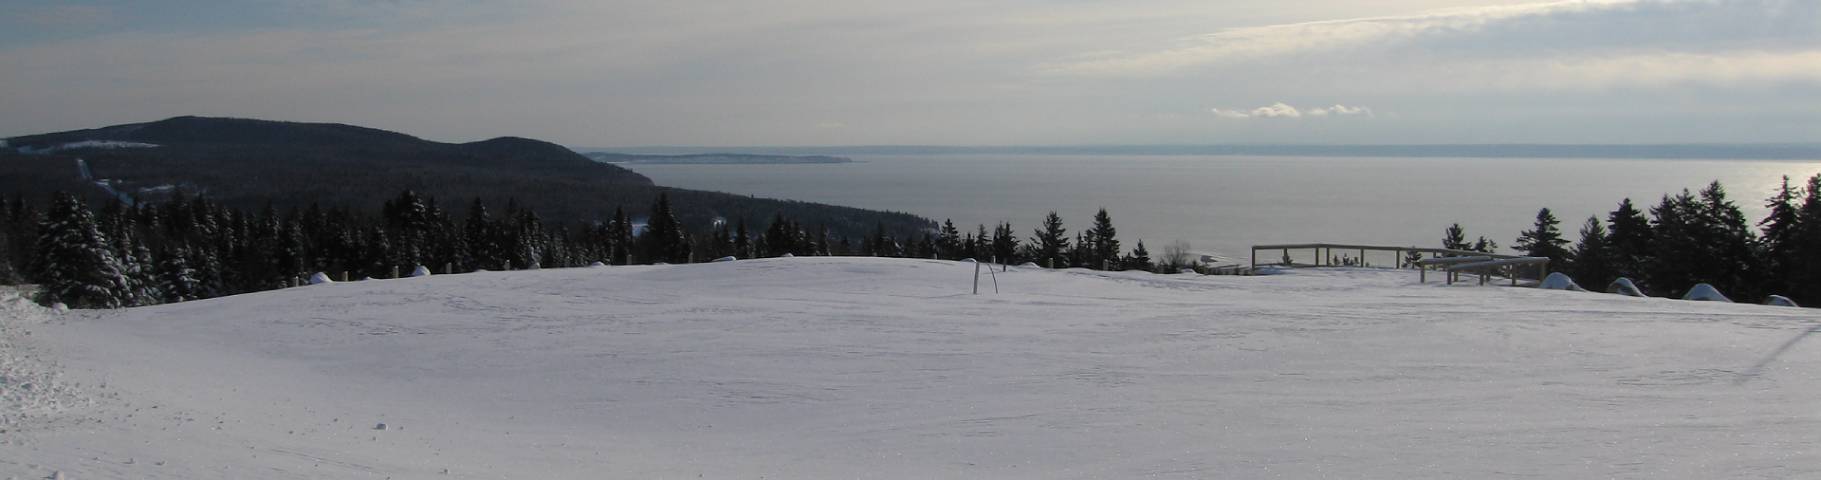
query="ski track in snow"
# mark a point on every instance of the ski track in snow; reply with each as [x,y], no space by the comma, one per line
[886,368]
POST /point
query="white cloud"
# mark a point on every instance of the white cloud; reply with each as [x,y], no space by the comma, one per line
[1287,111]
[1775,35]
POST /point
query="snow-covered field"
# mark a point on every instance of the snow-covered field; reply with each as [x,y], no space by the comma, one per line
[881,368]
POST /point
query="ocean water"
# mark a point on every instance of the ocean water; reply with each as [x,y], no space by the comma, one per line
[1222,205]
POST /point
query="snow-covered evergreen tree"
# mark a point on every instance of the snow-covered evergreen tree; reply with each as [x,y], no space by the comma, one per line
[76,265]
[177,279]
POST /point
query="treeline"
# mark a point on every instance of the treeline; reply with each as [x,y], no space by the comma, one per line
[189,248]
[1694,237]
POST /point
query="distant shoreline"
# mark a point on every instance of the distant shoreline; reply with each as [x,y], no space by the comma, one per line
[713,159]
[1783,151]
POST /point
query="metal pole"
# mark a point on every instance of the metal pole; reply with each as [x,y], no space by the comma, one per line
[976,278]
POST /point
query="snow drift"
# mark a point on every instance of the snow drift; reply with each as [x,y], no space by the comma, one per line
[1705,293]
[1623,286]
[1780,301]
[828,367]
[1559,281]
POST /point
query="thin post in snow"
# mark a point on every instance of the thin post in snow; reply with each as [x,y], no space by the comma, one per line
[976,278]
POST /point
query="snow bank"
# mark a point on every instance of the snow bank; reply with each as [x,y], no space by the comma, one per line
[420,271]
[1780,301]
[1623,286]
[596,264]
[728,258]
[1705,293]
[1560,281]
[33,394]
[786,256]
[320,278]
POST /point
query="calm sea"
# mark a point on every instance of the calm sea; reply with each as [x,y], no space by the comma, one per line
[1221,205]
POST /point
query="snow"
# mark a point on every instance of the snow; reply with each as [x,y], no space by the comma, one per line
[1560,281]
[834,367]
[728,258]
[98,144]
[420,271]
[1705,293]
[1780,301]
[320,278]
[596,264]
[1623,286]
[787,255]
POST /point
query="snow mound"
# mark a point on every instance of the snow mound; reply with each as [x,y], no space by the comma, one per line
[1623,286]
[969,260]
[320,278]
[1029,265]
[786,256]
[728,258]
[596,264]
[420,271]
[1780,301]
[1705,293]
[1560,281]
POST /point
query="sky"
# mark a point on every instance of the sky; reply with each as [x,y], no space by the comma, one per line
[933,72]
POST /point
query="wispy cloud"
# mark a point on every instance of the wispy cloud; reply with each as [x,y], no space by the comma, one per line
[1287,111]
[1539,35]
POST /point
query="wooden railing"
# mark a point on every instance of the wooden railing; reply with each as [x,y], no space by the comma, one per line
[1452,261]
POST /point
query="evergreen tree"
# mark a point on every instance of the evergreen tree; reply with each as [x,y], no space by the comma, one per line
[1140,259]
[1455,238]
[1005,244]
[177,280]
[1051,241]
[664,239]
[1782,227]
[948,244]
[1484,245]
[76,265]
[1629,241]
[1544,239]
[1593,261]
[1104,240]
[1805,275]
[1731,244]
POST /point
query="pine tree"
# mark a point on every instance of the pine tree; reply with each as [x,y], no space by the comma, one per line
[1629,241]
[1005,244]
[1782,226]
[1484,245]
[177,280]
[1805,276]
[948,245]
[1731,244]
[1544,239]
[76,265]
[1593,261]
[664,239]
[1105,241]
[1140,259]
[1455,238]
[1051,241]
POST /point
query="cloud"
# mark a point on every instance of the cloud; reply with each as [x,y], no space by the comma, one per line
[1286,111]
[1536,35]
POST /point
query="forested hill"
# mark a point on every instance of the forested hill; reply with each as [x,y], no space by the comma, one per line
[247,163]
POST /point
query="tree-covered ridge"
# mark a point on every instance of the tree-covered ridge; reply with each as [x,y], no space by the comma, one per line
[246,164]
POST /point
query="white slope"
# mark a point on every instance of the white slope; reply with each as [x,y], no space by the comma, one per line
[816,367]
